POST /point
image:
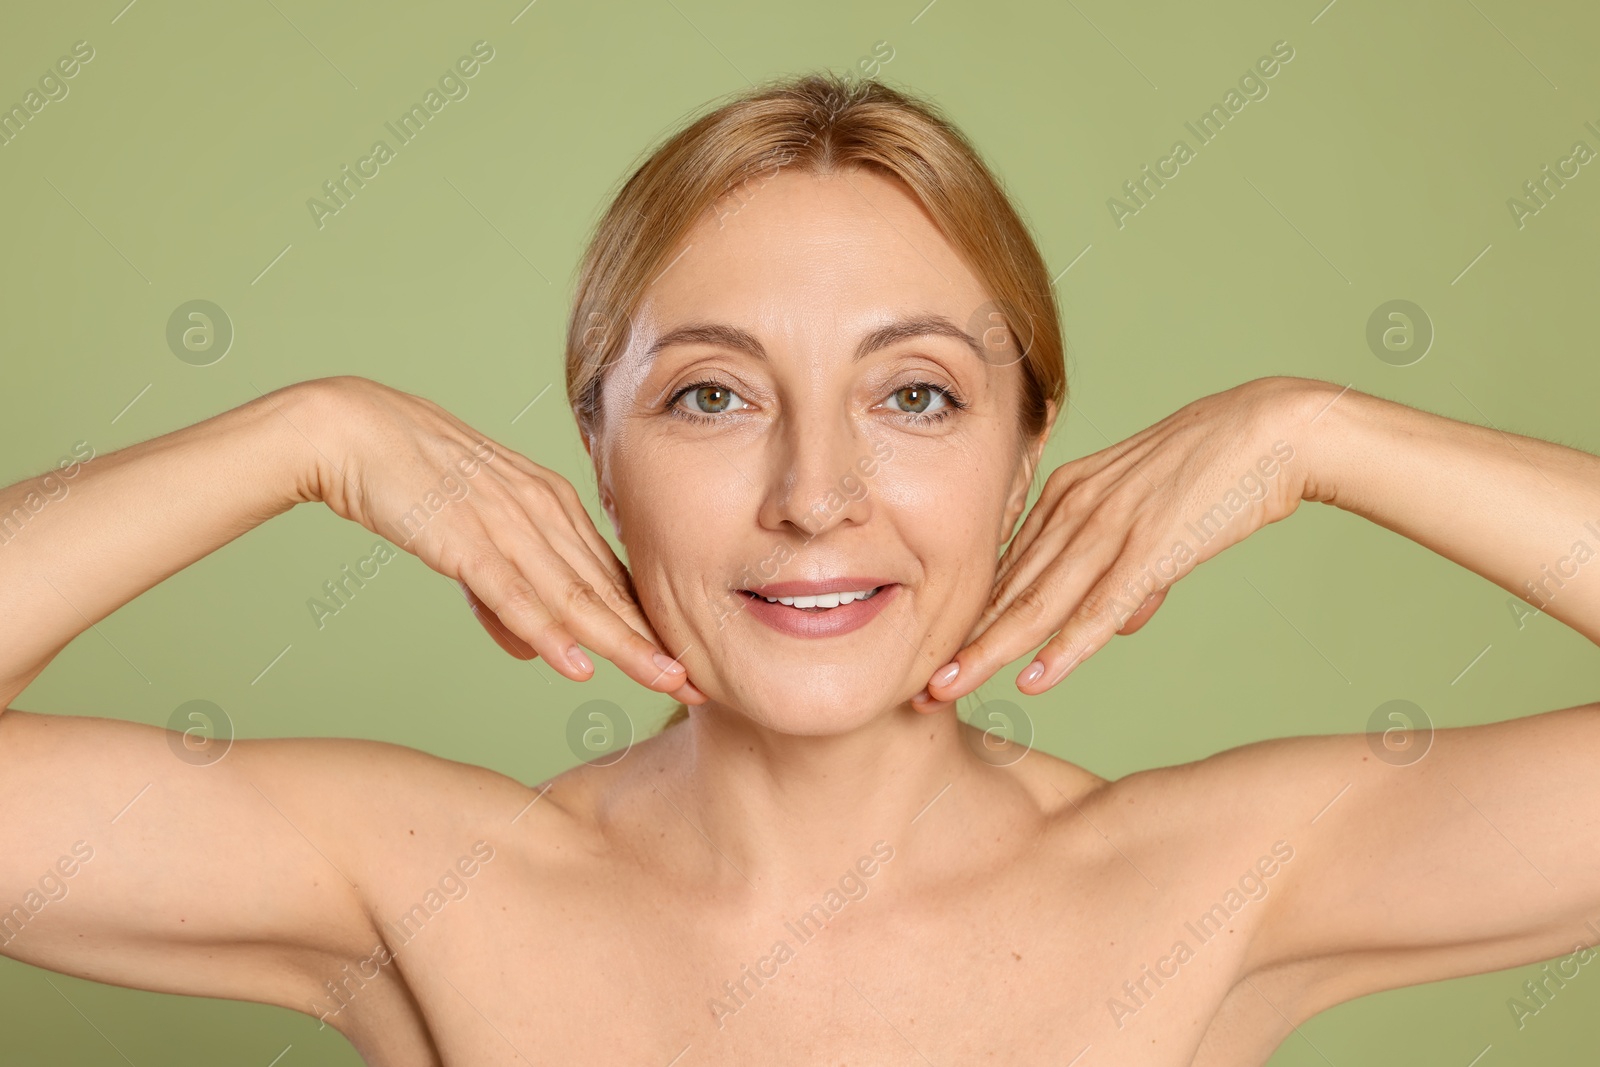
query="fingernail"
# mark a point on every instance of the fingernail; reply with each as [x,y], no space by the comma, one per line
[946,674]
[667,663]
[1034,672]
[576,657]
[921,698]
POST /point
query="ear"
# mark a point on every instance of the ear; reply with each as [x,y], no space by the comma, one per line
[1022,482]
[607,500]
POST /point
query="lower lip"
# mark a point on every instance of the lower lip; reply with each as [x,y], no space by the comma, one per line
[831,622]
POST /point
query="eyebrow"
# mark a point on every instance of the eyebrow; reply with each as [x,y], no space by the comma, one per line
[726,336]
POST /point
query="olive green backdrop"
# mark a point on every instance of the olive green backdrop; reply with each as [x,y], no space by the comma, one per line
[1377,168]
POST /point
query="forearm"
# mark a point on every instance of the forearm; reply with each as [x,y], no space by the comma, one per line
[1521,512]
[131,518]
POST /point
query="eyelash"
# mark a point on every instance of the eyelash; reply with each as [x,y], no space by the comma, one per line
[953,401]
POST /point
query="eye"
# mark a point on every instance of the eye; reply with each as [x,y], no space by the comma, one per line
[924,401]
[706,400]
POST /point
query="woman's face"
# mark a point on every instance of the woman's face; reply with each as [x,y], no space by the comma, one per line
[787,415]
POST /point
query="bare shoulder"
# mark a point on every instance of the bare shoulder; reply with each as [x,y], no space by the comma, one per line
[1281,781]
[549,825]
[1227,826]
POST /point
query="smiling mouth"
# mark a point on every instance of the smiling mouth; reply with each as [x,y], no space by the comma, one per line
[820,602]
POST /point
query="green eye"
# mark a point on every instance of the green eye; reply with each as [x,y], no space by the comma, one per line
[709,398]
[914,398]
[923,399]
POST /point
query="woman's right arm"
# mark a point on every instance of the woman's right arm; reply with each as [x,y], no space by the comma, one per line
[518,538]
[131,518]
[249,877]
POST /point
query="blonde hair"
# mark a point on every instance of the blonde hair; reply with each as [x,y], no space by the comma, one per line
[820,124]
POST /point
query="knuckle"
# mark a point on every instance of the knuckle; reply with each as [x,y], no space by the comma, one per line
[1104,526]
[478,563]
[1100,610]
[1032,605]
[544,491]
[1070,651]
[1124,498]
[1078,496]
[520,600]
[1062,479]
[558,488]
[580,597]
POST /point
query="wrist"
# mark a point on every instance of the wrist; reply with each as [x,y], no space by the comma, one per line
[303,419]
[1312,418]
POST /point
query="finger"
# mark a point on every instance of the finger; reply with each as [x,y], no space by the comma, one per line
[1065,526]
[582,545]
[1033,615]
[1111,514]
[1053,506]
[507,593]
[516,646]
[584,611]
[688,694]
[507,640]
[1049,546]
[1089,629]
[1033,524]
[571,532]
[1142,616]
[619,597]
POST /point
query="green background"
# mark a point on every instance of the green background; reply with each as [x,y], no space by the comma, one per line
[1377,168]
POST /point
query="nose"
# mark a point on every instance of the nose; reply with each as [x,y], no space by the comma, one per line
[815,477]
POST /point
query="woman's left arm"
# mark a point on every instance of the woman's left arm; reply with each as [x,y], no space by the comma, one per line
[1478,851]
[1521,512]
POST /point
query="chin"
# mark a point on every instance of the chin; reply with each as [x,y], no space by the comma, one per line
[808,700]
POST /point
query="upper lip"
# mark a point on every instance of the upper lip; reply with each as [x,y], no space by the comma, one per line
[846,584]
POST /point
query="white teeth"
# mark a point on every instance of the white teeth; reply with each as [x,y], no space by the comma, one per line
[823,600]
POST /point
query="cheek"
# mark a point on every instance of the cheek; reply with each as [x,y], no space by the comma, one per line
[957,484]
[684,523]
[945,503]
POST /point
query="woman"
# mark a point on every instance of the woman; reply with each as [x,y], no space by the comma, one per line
[814,358]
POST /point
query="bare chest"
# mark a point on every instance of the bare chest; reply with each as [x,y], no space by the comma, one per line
[1032,966]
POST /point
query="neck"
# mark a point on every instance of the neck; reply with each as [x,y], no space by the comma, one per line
[784,810]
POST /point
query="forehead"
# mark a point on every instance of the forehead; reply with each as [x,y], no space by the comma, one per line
[803,256]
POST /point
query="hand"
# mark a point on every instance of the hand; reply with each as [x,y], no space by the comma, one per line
[513,534]
[1112,531]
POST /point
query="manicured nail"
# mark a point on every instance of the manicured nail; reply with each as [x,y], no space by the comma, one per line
[667,663]
[576,657]
[1034,672]
[946,674]
[922,697]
